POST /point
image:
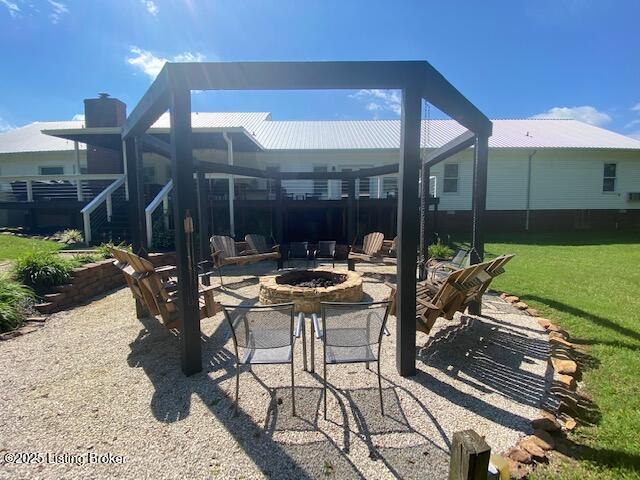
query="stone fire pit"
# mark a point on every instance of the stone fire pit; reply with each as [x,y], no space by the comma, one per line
[307,288]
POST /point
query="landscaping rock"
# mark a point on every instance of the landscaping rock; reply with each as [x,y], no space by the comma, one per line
[512,299]
[543,439]
[558,334]
[546,422]
[533,312]
[544,323]
[564,366]
[529,445]
[519,455]
[558,340]
[37,319]
[566,381]
[27,329]
[521,305]
[569,424]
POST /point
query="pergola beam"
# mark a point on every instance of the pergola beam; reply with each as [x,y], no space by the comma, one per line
[458,144]
[155,145]
[153,104]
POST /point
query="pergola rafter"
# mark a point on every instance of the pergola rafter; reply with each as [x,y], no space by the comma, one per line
[417,80]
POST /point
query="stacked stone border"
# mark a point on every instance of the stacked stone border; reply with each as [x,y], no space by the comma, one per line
[87,282]
[550,425]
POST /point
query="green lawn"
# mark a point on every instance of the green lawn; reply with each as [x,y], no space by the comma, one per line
[12,247]
[589,283]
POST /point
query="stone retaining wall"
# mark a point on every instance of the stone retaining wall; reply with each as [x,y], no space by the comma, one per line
[89,281]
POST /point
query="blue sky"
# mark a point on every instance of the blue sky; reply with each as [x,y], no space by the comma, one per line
[513,59]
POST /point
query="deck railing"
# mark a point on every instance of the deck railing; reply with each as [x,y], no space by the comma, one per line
[51,188]
[162,198]
[103,197]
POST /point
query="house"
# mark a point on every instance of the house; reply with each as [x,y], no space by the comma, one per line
[543,173]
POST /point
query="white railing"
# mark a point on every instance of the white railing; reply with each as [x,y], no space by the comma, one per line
[104,196]
[29,188]
[161,198]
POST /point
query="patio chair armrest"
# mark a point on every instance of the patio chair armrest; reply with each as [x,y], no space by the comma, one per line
[206,289]
[316,325]
[275,248]
[165,269]
[299,325]
[249,251]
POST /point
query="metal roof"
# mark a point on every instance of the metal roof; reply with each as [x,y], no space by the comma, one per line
[385,134]
[31,139]
[346,134]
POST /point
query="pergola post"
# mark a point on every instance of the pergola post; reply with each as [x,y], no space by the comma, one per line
[183,198]
[424,213]
[408,231]
[478,206]
[203,220]
[135,186]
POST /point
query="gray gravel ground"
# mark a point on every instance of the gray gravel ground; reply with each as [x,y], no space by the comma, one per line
[95,380]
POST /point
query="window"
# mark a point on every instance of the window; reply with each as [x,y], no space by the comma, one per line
[51,170]
[609,178]
[450,184]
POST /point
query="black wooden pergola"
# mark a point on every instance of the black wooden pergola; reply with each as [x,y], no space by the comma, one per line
[417,80]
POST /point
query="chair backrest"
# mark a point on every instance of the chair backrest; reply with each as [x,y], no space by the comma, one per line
[225,245]
[394,246]
[257,242]
[298,249]
[326,248]
[353,324]
[458,258]
[261,327]
[372,243]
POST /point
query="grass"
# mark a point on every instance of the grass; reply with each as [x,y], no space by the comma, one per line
[589,283]
[11,247]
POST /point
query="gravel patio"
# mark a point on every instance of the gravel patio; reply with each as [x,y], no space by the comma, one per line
[96,379]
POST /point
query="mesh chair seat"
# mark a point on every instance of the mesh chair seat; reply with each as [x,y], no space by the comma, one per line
[350,354]
[267,355]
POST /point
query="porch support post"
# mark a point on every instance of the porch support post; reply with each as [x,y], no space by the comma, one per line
[278,220]
[408,231]
[232,186]
[135,186]
[203,220]
[424,213]
[183,206]
[135,183]
[351,211]
[478,206]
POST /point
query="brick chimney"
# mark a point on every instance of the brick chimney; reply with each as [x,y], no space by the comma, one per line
[104,111]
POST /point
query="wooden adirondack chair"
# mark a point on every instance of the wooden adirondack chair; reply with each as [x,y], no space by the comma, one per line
[224,252]
[159,292]
[122,263]
[258,244]
[368,252]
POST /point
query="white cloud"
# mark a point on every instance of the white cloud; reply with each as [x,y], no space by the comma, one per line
[636,107]
[78,116]
[377,100]
[13,8]
[5,126]
[586,113]
[151,7]
[151,64]
[58,9]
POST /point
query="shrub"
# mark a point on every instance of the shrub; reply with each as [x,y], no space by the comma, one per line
[102,250]
[70,236]
[440,250]
[80,259]
[14,299]
[41,270]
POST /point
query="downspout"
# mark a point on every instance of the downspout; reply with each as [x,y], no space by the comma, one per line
[528,198]
[232,221]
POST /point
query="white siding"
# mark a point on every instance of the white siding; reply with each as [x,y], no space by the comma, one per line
[27,163]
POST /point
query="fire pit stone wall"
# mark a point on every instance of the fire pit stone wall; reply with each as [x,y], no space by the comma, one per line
[307,299]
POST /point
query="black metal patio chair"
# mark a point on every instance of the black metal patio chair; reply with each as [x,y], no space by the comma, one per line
[350,333]
[265,334]
[326,251]
[298,251]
